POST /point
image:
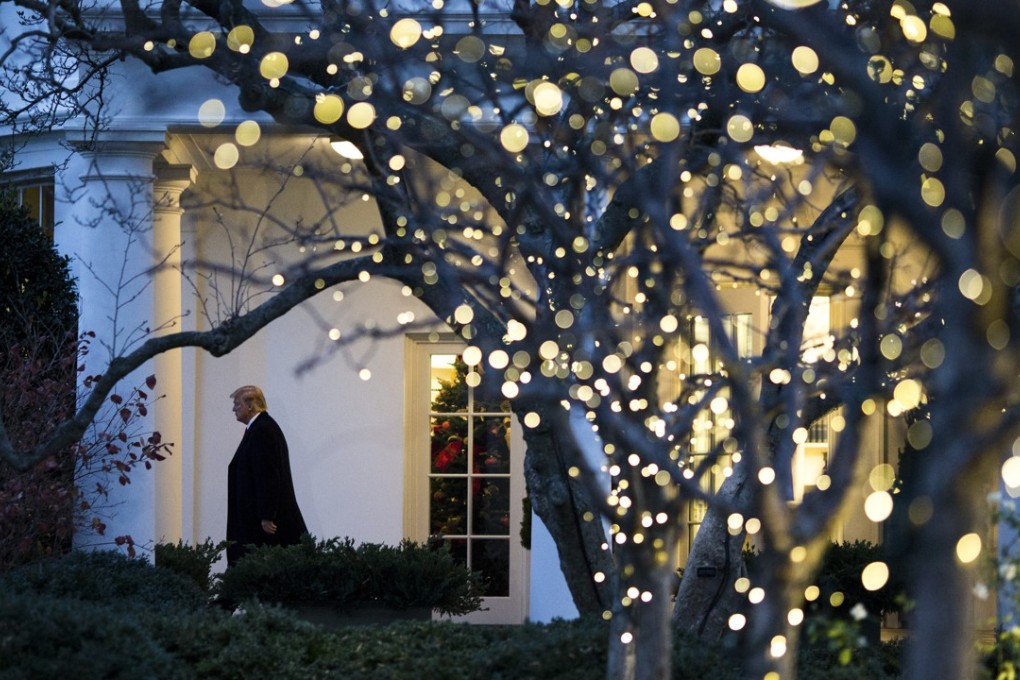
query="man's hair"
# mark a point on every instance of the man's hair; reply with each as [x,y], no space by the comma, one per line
[252,396]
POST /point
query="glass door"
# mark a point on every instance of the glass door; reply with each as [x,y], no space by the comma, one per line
[466,466]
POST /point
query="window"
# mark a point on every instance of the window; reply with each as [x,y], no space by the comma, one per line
[38,200]
[469,476]
[35,194]
[464,474]
[811,457]
[699,364]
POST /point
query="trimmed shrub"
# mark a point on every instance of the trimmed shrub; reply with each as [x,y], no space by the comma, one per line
[42,636]
[106,577]
[192,562]
[335,572]
[307,572]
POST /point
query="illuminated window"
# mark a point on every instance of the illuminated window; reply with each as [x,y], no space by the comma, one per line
[469,476]
[700,366]
[35,194]
[811,458]
[464,474]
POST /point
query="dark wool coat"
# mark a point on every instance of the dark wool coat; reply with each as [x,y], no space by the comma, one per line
[259,486]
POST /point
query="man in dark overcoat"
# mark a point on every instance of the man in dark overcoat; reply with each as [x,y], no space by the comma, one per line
[261,506]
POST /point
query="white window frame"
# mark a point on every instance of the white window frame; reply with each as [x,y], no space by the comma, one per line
[418,348]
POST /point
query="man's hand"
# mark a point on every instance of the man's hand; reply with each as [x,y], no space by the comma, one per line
[269,526]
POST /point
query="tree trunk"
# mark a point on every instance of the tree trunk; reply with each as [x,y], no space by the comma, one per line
[942,624]
[706,596]
[771,641]
[565,506]
[641,637]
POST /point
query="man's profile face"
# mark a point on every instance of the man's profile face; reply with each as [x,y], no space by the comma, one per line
[241,410]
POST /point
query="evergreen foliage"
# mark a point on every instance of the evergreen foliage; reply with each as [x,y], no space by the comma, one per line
[38,352]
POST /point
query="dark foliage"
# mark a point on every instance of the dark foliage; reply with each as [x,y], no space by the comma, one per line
[100,615]
[38,324]
[338,573]
[192,562]
[104,577]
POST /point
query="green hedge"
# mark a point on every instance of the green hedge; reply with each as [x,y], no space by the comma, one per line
[42,636]
[107,577]
[338,573]
[98,615]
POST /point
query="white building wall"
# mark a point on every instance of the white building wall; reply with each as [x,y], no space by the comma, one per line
[345,433]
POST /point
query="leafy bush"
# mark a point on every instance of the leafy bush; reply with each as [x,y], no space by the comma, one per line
[416,575]
[841,572]
[38,325]
[264,642]
[106,577]
[336,572]
[42,636]
[308,572]
[192,562]
[1001,658]
[834,649]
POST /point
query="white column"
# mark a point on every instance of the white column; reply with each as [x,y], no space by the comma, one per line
[110,238]
[171,181]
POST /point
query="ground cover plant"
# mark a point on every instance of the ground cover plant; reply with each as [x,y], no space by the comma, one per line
[101,615]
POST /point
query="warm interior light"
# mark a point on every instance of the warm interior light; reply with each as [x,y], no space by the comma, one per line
[347,150]
[779,153]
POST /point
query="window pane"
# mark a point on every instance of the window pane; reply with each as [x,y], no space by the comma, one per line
[492,558]
[30,200]
[449,444]
[491,506]
[449,390]
[492,445]
[448,509]
[46,219]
